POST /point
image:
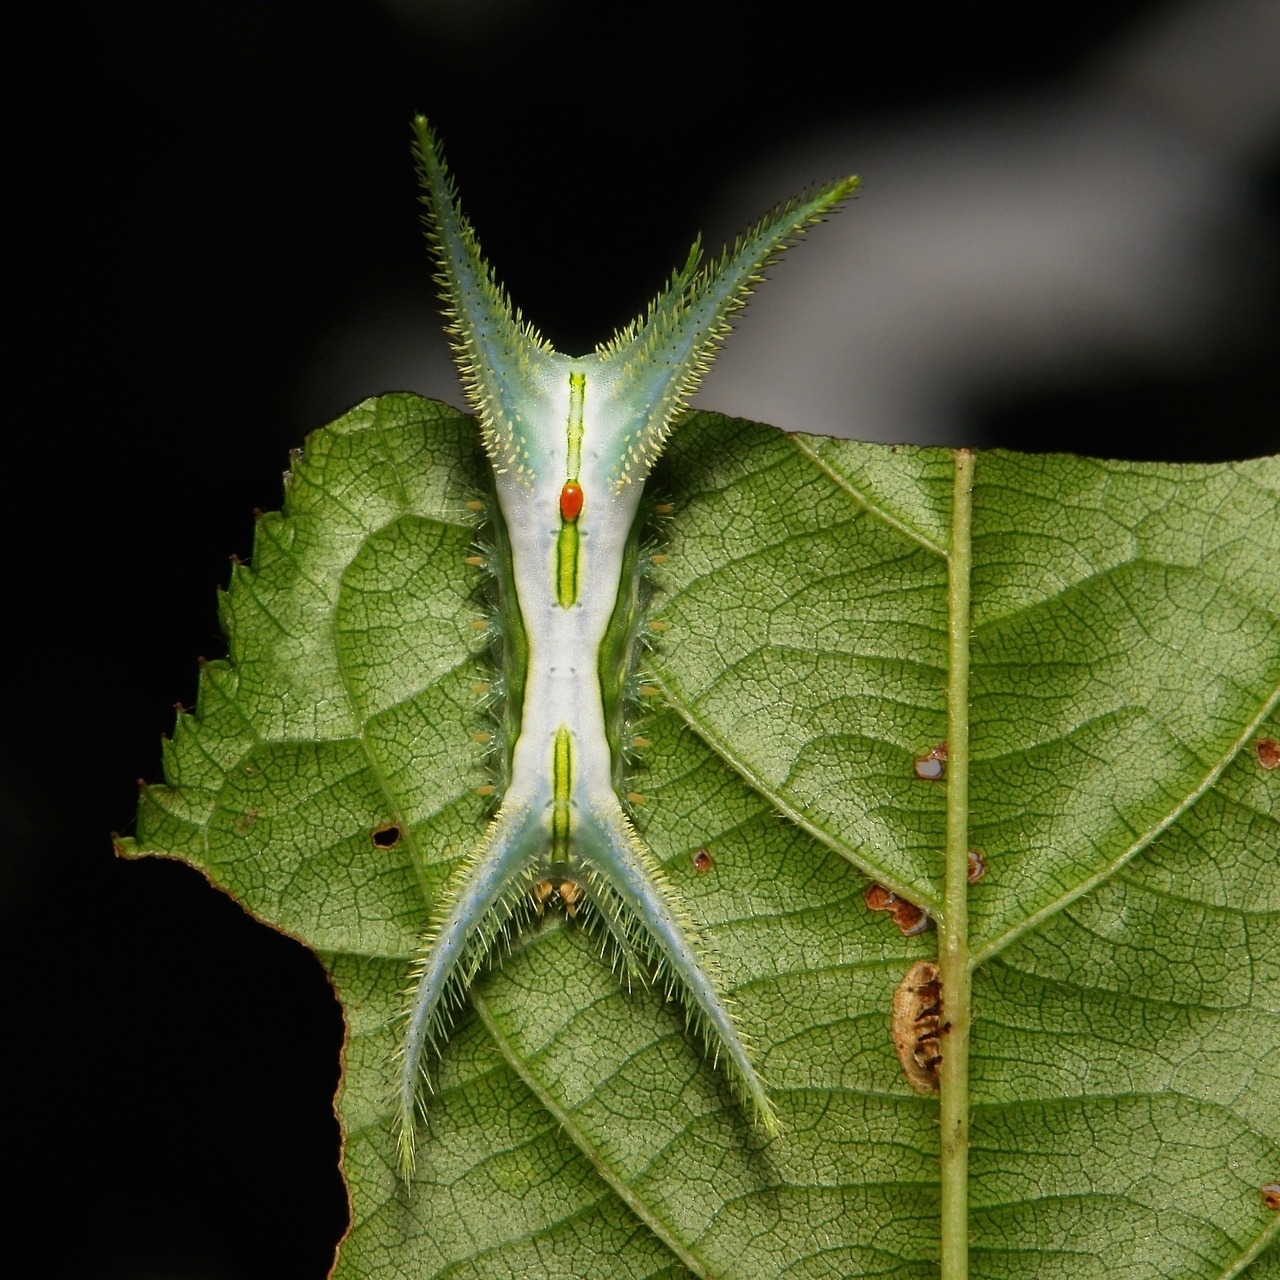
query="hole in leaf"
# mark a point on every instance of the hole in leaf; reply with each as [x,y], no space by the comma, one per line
[933,764]
[386,836]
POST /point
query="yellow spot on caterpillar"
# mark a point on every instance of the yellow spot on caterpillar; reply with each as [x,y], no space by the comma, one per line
[648,690]
[664,508]
[660,558]
[640,742]
[570,895]
[658,625]
[634,797]
[486,790]
[481,689]
[479,624]
[475,505]
[481,736]
[540,893]
[477,562]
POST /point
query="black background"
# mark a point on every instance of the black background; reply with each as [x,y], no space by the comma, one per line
[209,193]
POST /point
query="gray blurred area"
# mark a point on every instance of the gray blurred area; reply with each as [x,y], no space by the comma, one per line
[1105,226]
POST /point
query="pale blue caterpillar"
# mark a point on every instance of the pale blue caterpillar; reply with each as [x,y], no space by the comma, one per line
[571,441]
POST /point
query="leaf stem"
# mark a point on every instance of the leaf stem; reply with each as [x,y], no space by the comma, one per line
[953,921]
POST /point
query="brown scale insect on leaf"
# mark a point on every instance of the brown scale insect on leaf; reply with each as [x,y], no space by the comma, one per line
[917,1025]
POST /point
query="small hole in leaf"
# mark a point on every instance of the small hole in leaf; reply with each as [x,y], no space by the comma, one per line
[386,836]
[933,764]
[1268,752]
[702,861]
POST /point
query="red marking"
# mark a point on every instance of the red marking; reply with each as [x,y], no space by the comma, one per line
[571,501]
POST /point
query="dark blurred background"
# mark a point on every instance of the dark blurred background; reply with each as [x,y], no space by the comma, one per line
[1067,239]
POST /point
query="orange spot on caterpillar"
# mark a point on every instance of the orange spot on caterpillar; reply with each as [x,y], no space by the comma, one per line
[658,625]
[481,736]
[634,797]
[977,865]
[481,689]
[487,789]
[933,764]
[664,508]
[477,562]
[641,742]
[917,1018]
[570,501]
[660,558]
[475,505]
[702,861]
[1268,752]
[479,624]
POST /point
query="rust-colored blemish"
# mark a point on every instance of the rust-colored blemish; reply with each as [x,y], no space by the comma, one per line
[702,861]
[977,866]
[1271,1195]
[1268,752]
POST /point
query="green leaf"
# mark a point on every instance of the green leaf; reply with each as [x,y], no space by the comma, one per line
[1097,644]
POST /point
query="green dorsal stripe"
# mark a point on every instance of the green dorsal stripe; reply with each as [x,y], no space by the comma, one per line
[567,546]
[561,787]
[573,428]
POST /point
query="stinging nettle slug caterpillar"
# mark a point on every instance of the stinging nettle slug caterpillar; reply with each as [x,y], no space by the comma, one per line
[570,441]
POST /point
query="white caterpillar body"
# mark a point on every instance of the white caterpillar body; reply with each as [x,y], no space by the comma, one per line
[571,441]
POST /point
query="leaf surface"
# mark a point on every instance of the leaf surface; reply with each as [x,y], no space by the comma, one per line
[1124,659]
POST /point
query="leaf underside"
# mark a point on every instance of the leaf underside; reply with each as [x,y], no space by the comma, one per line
[1125,940]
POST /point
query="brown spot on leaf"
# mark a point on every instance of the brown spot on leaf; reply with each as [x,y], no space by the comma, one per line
[910,918]
[1268,752]
[906,915]
[245,821]
[878,898]
[702,861]
[977,865]
[1271,1195]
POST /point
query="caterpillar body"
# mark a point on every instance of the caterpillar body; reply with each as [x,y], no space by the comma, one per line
[570,442]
